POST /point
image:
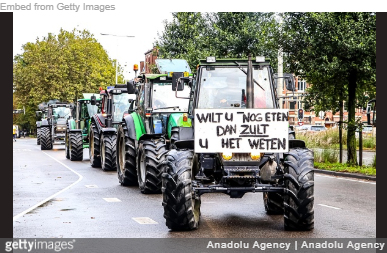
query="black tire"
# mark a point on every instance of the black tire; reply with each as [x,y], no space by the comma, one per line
[299,190]
[181,208]
[75,146]
[126,157]
[38,136]
[274,202]
[45,138]
[67,140]
[174,136]
[108,152]
[150,154]
[94,147]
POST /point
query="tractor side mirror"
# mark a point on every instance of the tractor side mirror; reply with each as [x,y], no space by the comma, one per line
[176,83]
[38,114]
[131,87]
[93,100]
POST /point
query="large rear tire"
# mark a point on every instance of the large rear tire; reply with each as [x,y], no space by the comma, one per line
[76,146]
[38,136]
[299,190]
[94,147]
[126,157]
[181,205]
[45,138]
[67,140]
[150,154]
[108,152]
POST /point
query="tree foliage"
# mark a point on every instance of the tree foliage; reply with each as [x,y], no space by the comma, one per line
[336,52]
[193,36]
[60,67]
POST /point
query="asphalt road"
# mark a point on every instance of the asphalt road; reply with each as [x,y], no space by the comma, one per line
[85,202]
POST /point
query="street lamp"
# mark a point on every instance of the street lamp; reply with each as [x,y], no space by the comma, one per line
[125,36]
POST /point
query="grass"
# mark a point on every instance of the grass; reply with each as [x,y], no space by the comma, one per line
[326,155]
[330,139]
[342,167]
[327,159]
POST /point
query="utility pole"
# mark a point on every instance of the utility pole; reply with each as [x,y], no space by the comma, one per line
[125,36]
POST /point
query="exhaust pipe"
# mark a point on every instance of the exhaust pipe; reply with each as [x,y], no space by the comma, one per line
[249,85]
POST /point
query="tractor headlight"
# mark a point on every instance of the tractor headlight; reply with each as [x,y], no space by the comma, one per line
[255,155]
[227,155]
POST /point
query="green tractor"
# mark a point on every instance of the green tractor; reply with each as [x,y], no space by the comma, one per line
[152,126]
[240,144]
[77,133]
[53,128]
[104,124]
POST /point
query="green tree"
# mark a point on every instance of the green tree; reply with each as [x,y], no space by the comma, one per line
[194,36]
[60,67]
[333,49]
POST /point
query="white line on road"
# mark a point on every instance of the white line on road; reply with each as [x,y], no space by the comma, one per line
[348,179]
[337,208]
[111,200]
[52,196]
[144,220]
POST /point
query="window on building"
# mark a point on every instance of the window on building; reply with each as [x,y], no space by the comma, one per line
[299,103]
[301,85]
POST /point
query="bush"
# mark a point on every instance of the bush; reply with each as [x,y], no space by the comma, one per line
[326,155]
[330,139]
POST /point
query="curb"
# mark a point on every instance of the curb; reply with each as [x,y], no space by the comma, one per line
[346,174]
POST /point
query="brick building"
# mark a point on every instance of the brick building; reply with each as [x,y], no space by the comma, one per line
[310,118]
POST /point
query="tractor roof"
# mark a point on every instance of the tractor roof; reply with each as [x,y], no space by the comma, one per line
[232,62]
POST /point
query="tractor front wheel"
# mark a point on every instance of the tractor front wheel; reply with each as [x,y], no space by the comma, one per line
[181,204]
[299,190]
[150,154]
[76,146]
[108,152]
[126,157]
[45,138]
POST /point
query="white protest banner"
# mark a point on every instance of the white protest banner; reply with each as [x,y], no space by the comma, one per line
[241,130]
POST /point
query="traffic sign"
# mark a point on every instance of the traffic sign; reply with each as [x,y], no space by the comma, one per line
[300,123]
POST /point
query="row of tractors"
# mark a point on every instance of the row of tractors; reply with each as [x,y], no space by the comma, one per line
[219,130]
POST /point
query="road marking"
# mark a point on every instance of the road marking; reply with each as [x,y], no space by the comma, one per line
[144,220]
[20,149]
[80,177]
[337,208]
[112,200]
[348,179]
[91,186]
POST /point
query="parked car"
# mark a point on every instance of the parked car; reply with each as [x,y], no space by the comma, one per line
[316,128]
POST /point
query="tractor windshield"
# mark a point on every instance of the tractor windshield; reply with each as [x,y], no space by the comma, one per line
[120,105]
[61,112]
[91,110]
[225,87]
[164,99]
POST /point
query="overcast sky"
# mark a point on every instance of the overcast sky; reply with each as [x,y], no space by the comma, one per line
[143,19]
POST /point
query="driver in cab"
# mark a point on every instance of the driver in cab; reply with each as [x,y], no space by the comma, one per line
[231,94]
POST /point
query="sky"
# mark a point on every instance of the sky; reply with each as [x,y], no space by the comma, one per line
[141,19]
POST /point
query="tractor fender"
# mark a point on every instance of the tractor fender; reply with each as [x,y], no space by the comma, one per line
[44,122]
[131,127]
[99,120]
[96,119]
[38,123]
[71,124]
[185,144]
[108,130]
[150,137]
[296,144]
